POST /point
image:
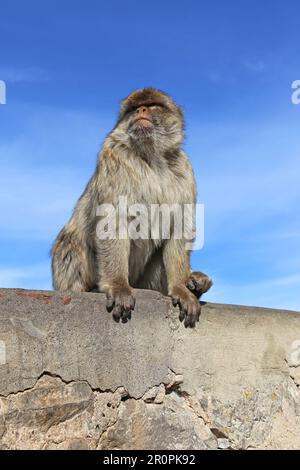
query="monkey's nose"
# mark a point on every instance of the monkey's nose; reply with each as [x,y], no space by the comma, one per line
[141,110]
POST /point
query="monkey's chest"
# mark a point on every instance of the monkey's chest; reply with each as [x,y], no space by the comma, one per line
[154,211]
[162,189]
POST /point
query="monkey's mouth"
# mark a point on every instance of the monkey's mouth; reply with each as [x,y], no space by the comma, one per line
[142,122]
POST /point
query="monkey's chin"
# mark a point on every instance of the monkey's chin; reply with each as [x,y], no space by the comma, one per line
[140,132]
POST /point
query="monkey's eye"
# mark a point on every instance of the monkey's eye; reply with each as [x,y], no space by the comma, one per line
[155,106]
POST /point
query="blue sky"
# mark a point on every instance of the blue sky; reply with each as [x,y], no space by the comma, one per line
[230,64]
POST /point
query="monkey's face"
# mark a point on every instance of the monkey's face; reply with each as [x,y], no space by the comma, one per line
[151,117]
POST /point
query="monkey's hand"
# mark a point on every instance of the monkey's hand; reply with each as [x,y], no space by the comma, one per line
[189,306]
[199,283]
[120,301]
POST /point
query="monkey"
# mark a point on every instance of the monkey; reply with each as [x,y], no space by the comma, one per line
[141,158]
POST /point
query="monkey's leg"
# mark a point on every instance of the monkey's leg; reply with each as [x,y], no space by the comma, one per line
[113,258]
[154,275]
[72,263]
[199,283]
[177,264]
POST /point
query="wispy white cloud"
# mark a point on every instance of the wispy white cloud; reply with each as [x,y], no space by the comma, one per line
[37,204]
[246,174]
[12,74]
[248,180]
[256,65]
[45,170]
[278,293]
[26,276]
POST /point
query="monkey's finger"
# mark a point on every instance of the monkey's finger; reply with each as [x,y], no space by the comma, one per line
[187,319]
[191,284]
[197,292]
[191,316]
[132,304]
[199,284]
[190,320]
[194,287]
[199,287]
[128,303]
[110,302]
[175,301]
[203,284]
[181,315]
[117,313]
[126,315]
[183,311]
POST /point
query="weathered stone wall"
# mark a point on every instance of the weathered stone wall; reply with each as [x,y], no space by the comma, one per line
[70,377]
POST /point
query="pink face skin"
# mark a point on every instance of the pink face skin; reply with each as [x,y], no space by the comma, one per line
[143,116]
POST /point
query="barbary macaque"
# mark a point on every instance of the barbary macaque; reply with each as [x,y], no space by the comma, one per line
[142,160]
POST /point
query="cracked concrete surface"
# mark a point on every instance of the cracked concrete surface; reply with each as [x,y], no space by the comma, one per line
[72,378]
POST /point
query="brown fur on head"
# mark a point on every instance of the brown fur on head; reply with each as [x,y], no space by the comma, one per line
[148,96]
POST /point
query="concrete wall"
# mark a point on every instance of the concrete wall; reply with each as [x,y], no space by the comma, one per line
[70,377]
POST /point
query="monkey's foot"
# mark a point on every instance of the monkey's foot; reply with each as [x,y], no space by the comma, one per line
[189,306]
[199,283]
[120,301]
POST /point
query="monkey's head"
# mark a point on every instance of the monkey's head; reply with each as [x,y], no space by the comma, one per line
[150,118]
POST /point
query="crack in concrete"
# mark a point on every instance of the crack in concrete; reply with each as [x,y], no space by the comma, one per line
[47,373]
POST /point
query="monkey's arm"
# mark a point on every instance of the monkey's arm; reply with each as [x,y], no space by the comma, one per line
[177,265]
[113,260]
[113,253]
